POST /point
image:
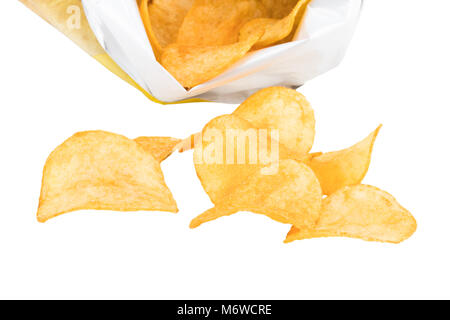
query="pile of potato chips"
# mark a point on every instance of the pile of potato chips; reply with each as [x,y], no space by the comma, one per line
[197,40]
[256,159]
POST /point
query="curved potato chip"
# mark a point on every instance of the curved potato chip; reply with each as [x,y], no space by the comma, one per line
[159,147]
[193,65]
[217,22]
[338,169]
[102,171]
[298,22]
[279,9]
[60,14]
[277,108]
[217,177]
[285,110]
[362,212]
[162,20]
[236,178]
[291,196]
[275,30]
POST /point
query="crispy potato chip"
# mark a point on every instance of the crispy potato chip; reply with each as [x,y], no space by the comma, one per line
[193,65]
[277,108]
[282,190]
[362,212]
[292,196]
[210,155]
[275,30]
[159,147]
[285,110]
[279,9]
[217,177]
[298,22]
[188,143]
[162,20]
[218,22]
[65,15]
[102,171]
[209,36]
[338,169]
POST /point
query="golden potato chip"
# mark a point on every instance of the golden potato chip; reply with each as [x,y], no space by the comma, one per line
[362,212]
[159,147]
[275,30]
[221,168]
[279,9]
[291,196]
[217,22]
[209,36]
[277,108]
[188,143]
[285,110]
[338,169]
[193,65]
[298,22]
[236,178]
[162,20]
[68,17]
[102,171]
[216,176]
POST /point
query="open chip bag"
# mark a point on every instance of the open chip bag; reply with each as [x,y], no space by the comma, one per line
[216,50]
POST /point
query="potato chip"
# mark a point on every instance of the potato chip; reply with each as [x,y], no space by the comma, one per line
[159,147]
[298,22]
[194,65]
[277,108]
[188,143]
[338,169]
[285,110]
[279,9]
[216,176]
[275,30]
[286,192]
[68,17]
[218,22]
[209,37]
[102,171]
[362,212]
[162,20]
[292,196]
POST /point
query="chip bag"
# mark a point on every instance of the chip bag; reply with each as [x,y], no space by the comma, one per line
[290,43]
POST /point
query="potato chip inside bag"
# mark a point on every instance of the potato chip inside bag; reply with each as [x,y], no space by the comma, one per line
[239,165]
[339,169]
[162,20]
[218,22]
[194,65]
[275,30]
[278,9]
[102,171]
[362,212]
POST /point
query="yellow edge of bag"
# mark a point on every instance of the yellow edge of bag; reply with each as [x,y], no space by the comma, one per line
[111,65]
[59,13]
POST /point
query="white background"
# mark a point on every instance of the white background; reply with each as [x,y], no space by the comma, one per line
[396,72]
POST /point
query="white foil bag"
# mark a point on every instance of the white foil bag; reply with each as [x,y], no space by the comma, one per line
[318,46]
